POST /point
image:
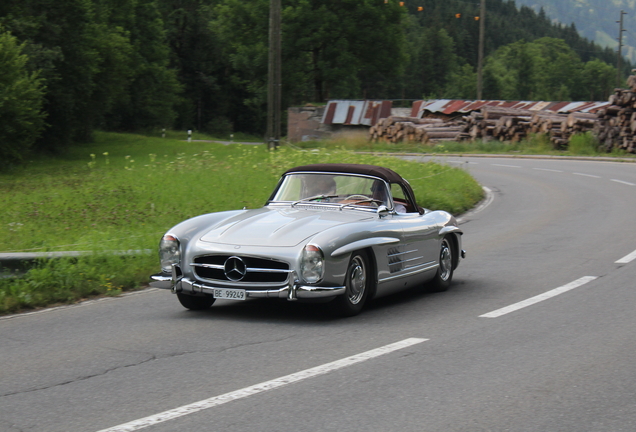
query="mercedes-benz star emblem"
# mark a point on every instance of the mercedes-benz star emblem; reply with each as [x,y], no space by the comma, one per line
[234,268]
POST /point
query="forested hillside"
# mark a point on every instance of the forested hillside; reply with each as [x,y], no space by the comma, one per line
[596,20]
[73,66]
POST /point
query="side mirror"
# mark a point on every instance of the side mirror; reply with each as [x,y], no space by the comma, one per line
[383,211]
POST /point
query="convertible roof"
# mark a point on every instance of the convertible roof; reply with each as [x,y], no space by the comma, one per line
[385,174]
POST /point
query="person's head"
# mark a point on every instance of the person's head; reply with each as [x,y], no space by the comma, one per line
[320,184]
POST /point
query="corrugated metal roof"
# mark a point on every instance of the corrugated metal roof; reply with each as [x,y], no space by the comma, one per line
[355,112]
[595,107]
[542,106]
[458,106]
[368,112]
[556,106]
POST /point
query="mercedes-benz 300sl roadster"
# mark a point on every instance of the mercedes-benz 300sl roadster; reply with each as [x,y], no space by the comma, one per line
[343,233]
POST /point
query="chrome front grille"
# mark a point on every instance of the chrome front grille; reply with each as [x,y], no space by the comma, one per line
[243,269]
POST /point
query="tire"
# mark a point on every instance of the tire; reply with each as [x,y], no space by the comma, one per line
[195,302]
[442,280]
[358,285]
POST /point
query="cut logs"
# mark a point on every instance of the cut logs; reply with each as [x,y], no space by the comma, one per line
[614,126]
[514,125]
[417,130]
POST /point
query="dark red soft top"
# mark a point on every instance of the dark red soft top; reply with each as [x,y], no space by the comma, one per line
[385,174]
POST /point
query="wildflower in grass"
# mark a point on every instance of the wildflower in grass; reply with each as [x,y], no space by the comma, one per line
[15,226]
[130,161]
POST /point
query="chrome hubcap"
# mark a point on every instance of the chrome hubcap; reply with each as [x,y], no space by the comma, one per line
[445,261]
[357,280]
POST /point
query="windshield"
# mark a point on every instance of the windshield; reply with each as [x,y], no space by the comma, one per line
[334,188]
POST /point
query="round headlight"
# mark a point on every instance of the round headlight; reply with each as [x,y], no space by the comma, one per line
[169,252]
[312,265]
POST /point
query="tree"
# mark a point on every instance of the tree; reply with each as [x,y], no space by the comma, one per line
[558,70]
[21,98]
[331,49]
[61,40]
[462,83]
[345,48]
[153,88]
[545,69]
[599,79]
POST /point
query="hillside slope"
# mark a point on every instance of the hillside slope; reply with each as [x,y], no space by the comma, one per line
[594,19]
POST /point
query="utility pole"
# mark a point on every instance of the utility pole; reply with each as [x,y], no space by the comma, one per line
[480,56]
[274,75]
[620,50]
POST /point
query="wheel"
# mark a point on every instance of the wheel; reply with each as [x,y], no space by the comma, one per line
[357,282]
[195,302]
[442,280]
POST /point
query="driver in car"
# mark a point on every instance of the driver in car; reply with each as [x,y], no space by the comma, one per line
[316,185]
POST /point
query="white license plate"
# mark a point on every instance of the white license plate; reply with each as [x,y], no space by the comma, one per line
[229,294]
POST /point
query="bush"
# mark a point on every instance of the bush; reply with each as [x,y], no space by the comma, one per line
[583,144]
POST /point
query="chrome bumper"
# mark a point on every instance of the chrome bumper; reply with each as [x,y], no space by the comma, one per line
[291,291]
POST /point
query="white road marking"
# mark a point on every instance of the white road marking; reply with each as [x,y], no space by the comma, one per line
[541,297]
[549,170]
[623,182]
[507,166]
[586,175]
[627,258]
[262,387]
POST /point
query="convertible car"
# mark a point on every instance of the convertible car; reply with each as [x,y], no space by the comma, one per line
[343,233]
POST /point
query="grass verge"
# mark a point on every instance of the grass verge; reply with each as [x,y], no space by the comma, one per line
[537,144]
[123,191]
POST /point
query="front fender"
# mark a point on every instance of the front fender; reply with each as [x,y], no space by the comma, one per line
[450,229]
[362,244]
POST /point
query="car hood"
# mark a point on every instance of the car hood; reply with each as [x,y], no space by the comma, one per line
[279,227]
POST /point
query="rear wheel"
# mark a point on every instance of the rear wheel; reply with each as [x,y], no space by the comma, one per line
[442,280]
[358,283]
[195,302]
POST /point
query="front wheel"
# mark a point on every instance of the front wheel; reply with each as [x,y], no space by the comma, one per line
[195,302]
[358,283]
[442,280]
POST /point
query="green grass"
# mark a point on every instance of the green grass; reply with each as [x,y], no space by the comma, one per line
[123,191]
[539,144]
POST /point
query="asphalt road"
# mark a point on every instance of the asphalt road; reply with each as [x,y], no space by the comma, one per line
[536,334]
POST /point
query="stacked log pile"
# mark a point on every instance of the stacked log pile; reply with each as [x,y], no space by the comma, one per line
[504,124]
[396,129]
[616,124]
[507,124]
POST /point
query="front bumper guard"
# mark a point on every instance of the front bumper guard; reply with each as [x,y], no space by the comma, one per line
[292,291]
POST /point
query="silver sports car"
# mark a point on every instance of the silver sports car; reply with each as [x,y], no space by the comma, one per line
[341,232]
